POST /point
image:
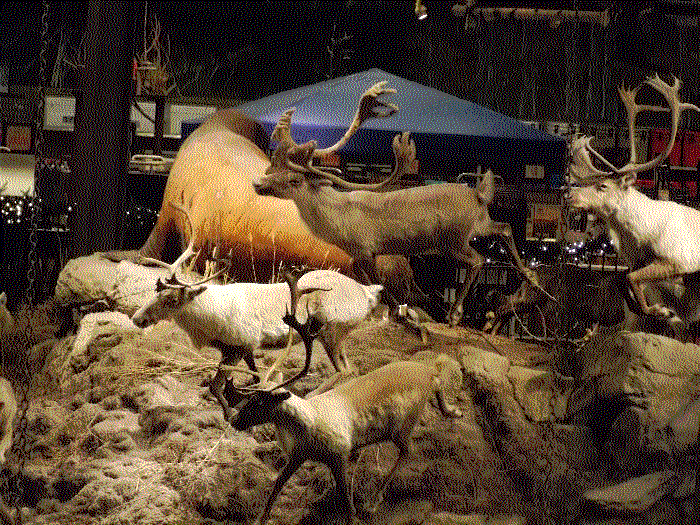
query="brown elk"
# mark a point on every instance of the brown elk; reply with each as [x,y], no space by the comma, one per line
[440,218]
[213,171]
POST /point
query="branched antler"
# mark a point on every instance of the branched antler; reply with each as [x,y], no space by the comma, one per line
[370,106]
[308,331]
[583,169]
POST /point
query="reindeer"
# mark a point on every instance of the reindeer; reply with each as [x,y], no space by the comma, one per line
[239,318]
[383,405]
[658,240]
[8,410]
[365,224]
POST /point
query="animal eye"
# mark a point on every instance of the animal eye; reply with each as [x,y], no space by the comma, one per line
[295,182]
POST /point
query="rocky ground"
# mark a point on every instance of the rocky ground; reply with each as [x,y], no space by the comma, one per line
[121,428]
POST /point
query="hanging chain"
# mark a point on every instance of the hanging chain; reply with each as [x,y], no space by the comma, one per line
[19,447]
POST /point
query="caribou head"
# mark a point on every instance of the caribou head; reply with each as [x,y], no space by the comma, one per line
[605,191]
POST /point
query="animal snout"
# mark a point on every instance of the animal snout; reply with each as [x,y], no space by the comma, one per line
[261,188]
[141,321]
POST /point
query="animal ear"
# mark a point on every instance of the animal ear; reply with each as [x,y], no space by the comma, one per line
[627,180]
[485,189]
[159,285]
[191,293]
[373,290]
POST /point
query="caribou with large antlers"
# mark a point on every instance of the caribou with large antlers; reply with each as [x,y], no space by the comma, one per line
[383,405]
[239,318]
[439,218]
[658,240]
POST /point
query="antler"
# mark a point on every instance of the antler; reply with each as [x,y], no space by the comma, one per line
[307,331]
[369,107]
[173,282]
[581,148]
[189,251]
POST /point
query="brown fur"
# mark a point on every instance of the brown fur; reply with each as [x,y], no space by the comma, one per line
[212,174]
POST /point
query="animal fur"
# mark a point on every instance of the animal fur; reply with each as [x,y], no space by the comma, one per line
[383,405]
[239,318]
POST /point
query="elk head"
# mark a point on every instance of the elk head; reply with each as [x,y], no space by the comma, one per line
[258,409]
[604,191]
[292,172]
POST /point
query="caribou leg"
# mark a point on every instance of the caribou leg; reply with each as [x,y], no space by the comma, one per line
[656,271]
[475,261]
[230,355]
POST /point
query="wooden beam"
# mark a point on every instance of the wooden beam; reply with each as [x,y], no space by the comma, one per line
[100,157]
[553,16]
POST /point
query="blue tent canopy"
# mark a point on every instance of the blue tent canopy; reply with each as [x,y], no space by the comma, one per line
[452,135]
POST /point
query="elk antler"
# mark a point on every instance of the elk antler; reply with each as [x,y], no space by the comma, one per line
[307,331]
[404,155]
[369,107]
[189,251]
[581,149]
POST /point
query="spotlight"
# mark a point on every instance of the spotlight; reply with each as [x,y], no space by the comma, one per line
[420,10]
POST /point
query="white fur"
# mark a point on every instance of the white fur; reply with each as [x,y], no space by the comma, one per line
[7,322]
[250,314]
[642,229]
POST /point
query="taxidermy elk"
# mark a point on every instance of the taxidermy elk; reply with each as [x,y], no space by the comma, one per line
[213,171]
[365,224]
[658,240]
[383,405]
[589,299]
[239,318]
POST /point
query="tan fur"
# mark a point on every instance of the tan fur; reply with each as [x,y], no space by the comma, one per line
[212,174]
[383,405]
[8,410]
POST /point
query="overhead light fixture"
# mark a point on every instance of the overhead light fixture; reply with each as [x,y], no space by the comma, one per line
[420,10]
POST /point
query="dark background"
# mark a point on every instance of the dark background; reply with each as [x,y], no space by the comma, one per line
[233,51]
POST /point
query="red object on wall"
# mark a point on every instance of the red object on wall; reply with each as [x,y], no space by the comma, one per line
[691,147]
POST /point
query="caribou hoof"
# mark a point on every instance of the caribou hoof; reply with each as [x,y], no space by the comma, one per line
[663,312]
[372,508]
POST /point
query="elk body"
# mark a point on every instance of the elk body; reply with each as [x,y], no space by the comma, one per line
[383,405]
[441,218]
[8,410]
[658,240]
[588,298]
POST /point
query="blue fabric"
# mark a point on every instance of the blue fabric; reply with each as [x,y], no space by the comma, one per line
[452,135]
